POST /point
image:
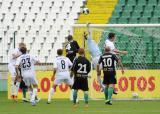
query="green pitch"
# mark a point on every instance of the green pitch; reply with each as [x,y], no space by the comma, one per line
[65,107]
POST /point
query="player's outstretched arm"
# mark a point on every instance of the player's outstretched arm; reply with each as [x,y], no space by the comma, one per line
[120,52]
[14,56]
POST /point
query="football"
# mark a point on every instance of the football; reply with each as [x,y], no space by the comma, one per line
[85,11]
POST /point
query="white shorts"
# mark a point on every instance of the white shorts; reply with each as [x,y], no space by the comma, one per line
[66,80]
[31,80]
[12,70]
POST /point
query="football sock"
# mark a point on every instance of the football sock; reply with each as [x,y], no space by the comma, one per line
[110,92]
[71,94]
[51,92]
[30,94]
[74,96]
[24,90]
[86,97]
[16,88]
[106,93]
[34,94]
[12,88]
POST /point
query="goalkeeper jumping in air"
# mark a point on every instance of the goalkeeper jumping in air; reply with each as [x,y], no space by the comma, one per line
[95,51]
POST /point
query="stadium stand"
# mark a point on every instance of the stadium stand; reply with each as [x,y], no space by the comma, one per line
[41,24]
[143,12]
[44,24]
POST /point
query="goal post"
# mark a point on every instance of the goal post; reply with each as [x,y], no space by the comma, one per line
[142,63]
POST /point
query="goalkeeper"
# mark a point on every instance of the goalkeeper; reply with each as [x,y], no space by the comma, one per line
[95,51]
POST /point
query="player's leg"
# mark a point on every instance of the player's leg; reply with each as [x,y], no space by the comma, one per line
[111,81]
[110,93]
[106,92]
[34,94]
[53,89]
[14,84]
[93,47]
[34,82]
[75,96]
[24,89]
[86,98]
[16,87]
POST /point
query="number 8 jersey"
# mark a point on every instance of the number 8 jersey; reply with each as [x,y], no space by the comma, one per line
[62,65]
[26,63]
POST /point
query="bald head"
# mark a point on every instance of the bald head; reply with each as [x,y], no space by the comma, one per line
[107,49]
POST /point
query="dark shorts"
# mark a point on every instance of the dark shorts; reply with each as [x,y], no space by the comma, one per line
[109,78]
[22,85]
[80,83]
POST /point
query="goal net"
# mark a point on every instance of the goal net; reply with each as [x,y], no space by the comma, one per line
[142,41]
[142,63]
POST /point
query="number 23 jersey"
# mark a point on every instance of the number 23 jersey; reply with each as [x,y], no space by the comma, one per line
[62,65]
[26,63]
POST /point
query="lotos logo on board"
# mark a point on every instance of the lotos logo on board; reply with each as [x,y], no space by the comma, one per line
[131,83]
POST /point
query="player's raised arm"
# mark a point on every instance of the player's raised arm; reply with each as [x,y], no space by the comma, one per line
[120,52]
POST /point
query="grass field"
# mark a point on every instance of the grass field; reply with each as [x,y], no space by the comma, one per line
[65,107]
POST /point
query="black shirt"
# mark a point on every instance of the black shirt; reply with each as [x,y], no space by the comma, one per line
[108,61]
[72,47]
[81,66]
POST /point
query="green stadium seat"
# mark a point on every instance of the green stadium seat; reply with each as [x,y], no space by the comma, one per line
[133,20]
[121,45]
[157,60]
[128,8]
[118,8]
[146,39]
[131,2]
[115,14]
[122,2]
[152,2]
[154,20]
[156,14]
[113,20]
[126,14]
[127,59]
[138,31]
[122,20]
[157,7]
[136,14]
[142,2]
[149,8]
[124,39]
[149,59]
[138,7]
[143,20]
[147,14]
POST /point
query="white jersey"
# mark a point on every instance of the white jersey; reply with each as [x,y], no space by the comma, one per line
[26,63]
[16,51]
[62,65]
[110,44]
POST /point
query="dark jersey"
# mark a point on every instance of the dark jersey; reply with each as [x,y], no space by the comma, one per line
[81,67]
[73,48]
[108,61]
